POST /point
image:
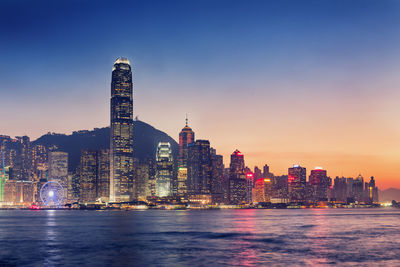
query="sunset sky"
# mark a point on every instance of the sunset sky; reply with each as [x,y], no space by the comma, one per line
[314,83]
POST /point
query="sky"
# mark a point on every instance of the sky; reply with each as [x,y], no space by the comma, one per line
[286,82]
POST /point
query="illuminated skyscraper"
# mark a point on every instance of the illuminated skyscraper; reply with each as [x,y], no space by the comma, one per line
[199,168]
[94,172]
[238,190]
[103,180]
[262,190]
[319,183]
[142,178]
[121,139]
[58,168]
[217,176]
[371,191]
[186,137]
[297,183]
[88,175]
[164,169]
[358,188]
[237,165]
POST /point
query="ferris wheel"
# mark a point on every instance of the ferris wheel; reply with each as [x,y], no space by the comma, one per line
[52,194]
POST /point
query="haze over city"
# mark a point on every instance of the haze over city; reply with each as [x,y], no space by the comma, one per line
[284,82]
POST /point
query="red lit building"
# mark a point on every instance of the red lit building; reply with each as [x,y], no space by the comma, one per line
[297,177]
[186,138]
[319,183]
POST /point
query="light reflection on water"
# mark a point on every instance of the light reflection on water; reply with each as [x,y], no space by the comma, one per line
[200,238]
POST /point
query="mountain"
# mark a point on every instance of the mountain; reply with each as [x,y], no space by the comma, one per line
[389,195]
[145,141]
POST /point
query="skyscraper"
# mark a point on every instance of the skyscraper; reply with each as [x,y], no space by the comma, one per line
[371,191]
[94,173]
[142,175]
[358,188]
[58,166]
[237,179]
[199,168]
[121,138]
[297,183]
[262,190]
[186,137]
[237,164]
[89,175]
[319,183]
[217,177]
[165,169]
[103,180]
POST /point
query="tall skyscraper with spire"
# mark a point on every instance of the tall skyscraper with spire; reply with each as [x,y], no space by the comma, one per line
[121,137]
[186,137]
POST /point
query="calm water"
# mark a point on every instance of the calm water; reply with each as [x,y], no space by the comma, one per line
[200,238]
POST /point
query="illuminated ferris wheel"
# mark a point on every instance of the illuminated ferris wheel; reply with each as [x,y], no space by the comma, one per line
[52,194]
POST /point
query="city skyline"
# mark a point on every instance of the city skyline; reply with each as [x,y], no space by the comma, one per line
[300,106]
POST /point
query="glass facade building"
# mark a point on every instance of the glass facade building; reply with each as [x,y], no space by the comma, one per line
[164,170]
[121,138]
[297,183]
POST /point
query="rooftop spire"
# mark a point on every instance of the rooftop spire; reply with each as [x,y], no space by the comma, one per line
[186,119]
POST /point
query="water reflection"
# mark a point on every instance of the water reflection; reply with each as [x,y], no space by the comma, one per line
[201,238]
[245,224]
[319,235]
[51,246]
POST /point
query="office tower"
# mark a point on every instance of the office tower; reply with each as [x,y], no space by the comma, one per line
[70,189]
[94,172]
[103,179]
[358,189]
[38,161]
[17,156]
[89,175]
[152,177]
[58,168]
[262,191]
[217,177]
[319,183]
[297,183]
[225,185]
[249,185]
[142,178]
[237,165]
[26,162]
[12,159]
[340,189]
[186,137]
[121,139]
[371,191]
[199,168]
[280,188]
[165,169]
[237,179]
[75,184]
[350,189]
